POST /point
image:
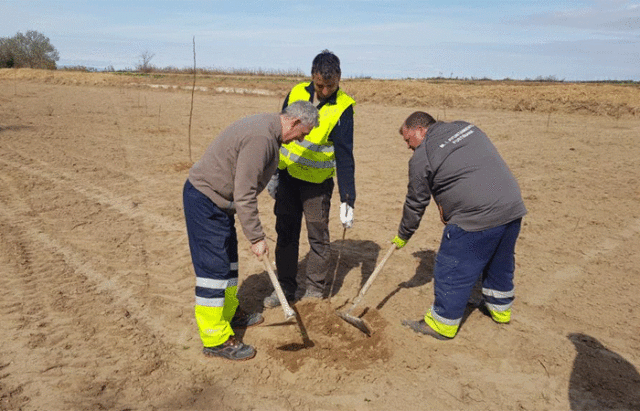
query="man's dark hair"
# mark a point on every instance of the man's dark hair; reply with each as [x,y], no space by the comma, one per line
[326,64]
[418,119]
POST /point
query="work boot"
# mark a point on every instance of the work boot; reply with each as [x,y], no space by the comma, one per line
[423,328]
[231,349]
[272,300]
[242,319]
[311,293]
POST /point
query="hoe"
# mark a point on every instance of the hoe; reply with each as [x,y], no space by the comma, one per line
[359,322]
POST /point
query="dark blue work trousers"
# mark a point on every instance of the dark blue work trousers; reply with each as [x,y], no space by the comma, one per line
[214,252]
[212,237]
[463,257]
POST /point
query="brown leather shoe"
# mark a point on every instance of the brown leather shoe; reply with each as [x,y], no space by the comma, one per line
[423,328]
[231,349]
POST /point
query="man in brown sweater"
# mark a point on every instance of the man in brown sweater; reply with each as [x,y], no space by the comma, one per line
[234,169]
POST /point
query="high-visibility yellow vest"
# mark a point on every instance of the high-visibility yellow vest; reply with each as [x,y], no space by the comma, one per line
[314,159]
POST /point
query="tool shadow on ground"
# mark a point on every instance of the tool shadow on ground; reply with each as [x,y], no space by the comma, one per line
[423,274]
[347,255]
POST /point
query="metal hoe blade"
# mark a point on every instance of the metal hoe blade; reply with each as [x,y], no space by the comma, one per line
[358,322]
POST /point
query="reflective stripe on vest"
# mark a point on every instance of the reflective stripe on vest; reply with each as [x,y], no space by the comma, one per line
[313,159]
[303,161]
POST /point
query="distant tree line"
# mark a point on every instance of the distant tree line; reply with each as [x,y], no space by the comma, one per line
[32,49]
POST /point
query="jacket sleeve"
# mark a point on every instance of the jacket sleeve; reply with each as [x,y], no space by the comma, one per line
[253,159]
[342,137]
[418,194]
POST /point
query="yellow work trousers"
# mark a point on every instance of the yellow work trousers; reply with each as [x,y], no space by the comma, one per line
[214,323]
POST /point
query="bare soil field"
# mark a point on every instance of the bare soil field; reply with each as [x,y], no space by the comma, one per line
[97,287]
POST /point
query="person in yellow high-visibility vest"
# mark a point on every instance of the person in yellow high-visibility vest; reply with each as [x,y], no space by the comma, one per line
[304,182]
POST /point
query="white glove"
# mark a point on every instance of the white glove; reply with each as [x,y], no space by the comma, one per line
[272,187]
[346,215]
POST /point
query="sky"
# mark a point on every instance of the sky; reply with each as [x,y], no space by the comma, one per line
[587,40]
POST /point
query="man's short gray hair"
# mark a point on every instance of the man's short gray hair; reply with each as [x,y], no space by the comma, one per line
[303,110]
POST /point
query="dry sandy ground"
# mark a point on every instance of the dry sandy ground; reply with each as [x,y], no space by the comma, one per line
[96,283]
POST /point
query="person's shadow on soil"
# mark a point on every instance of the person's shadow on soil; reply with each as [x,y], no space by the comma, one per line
[422,276]
[345,256]
[600,378]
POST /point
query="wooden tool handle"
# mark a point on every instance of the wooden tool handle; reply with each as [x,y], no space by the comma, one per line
[288,311]
[373,275]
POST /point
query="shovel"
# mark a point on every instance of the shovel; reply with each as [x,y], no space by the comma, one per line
[359,322]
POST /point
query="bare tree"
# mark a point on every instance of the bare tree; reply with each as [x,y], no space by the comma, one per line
[145,62]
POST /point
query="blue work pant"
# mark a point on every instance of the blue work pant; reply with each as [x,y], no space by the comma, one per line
[463,257]
[214,252]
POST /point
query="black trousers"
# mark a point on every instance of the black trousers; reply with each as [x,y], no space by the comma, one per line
[294,199]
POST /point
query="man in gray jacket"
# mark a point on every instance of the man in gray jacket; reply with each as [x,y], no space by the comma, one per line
[234,169]
[480,204]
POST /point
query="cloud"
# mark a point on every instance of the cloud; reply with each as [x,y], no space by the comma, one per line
[396,38]
[600,16]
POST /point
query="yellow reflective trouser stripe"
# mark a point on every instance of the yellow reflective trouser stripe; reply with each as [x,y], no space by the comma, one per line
[214,322]
[230,302]
[500,316]
[444,329]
